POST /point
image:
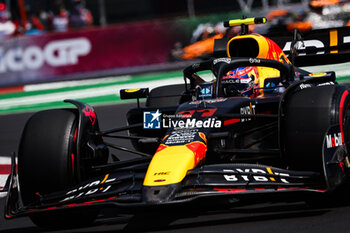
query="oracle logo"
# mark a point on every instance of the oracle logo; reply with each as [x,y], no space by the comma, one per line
[55,53]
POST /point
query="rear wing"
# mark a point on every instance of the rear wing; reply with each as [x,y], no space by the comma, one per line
[316,47]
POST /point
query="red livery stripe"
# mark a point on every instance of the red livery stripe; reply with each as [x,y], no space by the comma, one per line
[230,190]
[5,169]
[11,89]
[231,121]
[341,107]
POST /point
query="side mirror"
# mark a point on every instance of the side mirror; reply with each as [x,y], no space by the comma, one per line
[134,93]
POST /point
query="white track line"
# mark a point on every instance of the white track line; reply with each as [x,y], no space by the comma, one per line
[3,179]
[340,69]
[86,93]
[76,83]
[5,160]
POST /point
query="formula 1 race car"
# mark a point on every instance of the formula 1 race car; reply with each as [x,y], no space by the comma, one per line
[206,139]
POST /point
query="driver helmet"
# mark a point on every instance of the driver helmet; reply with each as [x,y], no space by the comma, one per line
[240,82]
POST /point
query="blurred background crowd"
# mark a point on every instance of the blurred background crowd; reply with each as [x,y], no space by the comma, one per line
[28,17]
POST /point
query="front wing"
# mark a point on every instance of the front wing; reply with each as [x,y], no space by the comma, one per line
[122,188]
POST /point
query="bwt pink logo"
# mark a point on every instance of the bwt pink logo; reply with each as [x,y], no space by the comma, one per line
[55,53]
[88,112]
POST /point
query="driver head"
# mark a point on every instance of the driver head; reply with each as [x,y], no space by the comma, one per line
[239,82]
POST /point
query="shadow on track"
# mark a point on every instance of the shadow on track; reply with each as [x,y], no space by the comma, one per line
[187,220]
[108,223]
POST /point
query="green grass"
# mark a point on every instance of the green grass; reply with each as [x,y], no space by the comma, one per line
[135,79]
[94,101]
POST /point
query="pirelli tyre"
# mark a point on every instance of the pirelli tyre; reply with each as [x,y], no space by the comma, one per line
[47,163]
[307,117]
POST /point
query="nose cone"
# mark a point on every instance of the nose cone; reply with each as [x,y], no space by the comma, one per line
[159,194]
[169,166]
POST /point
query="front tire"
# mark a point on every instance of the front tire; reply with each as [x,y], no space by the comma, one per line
[47,163]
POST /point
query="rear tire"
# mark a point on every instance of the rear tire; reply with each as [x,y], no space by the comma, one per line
[308,114]
[47,163]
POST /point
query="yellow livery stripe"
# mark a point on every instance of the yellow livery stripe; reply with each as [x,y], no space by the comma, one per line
[104,179]
[247,21]
[169,166]
[270,172]
[333,39]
